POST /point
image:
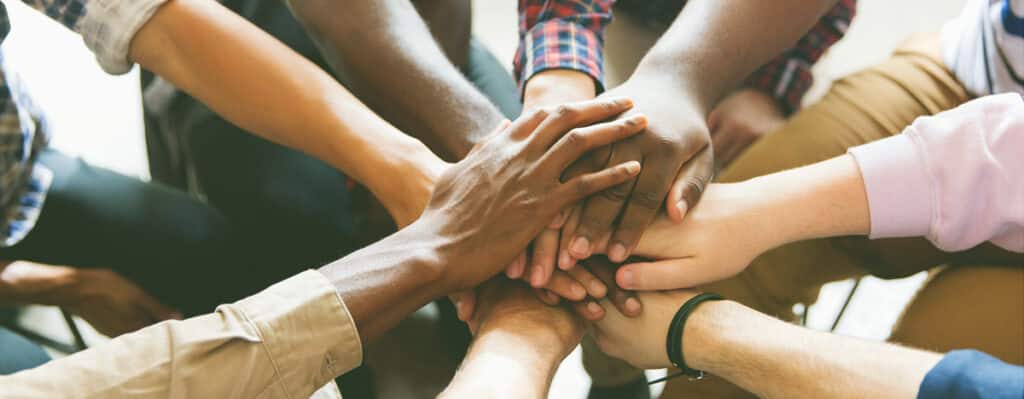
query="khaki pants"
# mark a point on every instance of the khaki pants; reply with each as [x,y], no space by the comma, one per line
[975,301]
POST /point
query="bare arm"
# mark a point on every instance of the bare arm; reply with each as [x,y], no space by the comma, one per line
[764,355]
[261,85]
[390,59]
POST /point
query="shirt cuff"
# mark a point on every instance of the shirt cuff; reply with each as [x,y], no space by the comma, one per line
[560,45]
[109,26]
[972,374]
[897,185]
[303,320]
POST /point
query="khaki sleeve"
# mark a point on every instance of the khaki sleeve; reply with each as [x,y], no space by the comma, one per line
[288,341]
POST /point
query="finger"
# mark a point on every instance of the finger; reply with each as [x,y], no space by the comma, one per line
[563,285]
[601,211]
[526,124]
[652,187]
[568,116]
[566,261]
[589,309]
[516,269]
[559,220]
[465,304]
[624,300]
[547,297]
[545,250]
[581,140]
[693,178]
[594,286]
[665,275]
[590,183]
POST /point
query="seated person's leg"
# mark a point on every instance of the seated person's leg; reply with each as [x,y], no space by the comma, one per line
[863,107]
[968,307]
[18,353]
[175,247]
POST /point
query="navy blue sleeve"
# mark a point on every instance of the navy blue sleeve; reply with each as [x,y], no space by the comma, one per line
[966,374]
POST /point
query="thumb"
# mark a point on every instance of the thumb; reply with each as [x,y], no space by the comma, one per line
[695,175]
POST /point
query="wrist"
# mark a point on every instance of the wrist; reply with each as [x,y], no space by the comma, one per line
[405,185]
[821,200]
[709,335]
[558,86]
[33,283]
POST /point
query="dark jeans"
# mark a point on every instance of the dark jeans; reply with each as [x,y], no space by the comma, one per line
[18,353]
[177,248]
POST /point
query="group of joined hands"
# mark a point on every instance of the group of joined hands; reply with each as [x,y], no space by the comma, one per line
[560,164]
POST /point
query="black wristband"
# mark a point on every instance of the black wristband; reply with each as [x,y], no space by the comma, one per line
[674,341]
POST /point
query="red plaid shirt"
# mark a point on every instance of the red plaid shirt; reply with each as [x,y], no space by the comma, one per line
[569,34]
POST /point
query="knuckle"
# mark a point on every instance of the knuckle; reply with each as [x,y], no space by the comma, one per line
[566,112]
[647,199]
[576,138]
[617,193]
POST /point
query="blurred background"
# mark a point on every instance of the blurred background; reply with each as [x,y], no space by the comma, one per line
[98,117]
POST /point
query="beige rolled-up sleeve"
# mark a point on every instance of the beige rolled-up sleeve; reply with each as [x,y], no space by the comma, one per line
[289,341]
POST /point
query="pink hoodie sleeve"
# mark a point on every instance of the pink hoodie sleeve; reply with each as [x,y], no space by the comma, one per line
[956,178]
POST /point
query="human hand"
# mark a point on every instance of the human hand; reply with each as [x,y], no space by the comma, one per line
[591,308]
[110,303]
[678,164]
[640,341]
[741,119]
[509,306]
[487,207]
[718,239]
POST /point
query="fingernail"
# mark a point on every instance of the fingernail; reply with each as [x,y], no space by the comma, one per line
[624,101]
[593,308]
[681,205]
[580,247]
[578,291]
[597,289]
[551,296]
[564,261]
[632,306]
[633,167]
[626,279]
[617,253]
[538,276]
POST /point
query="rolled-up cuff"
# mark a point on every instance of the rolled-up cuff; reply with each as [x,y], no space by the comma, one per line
[899,192]
[109,26]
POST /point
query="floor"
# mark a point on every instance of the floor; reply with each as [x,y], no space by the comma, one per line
[99,119]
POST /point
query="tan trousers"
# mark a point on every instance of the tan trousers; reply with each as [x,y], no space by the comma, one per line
[975,301]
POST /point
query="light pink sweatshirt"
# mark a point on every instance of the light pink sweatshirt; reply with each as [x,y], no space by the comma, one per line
[956,178]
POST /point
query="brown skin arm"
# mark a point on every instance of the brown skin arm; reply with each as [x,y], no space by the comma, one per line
[392,61]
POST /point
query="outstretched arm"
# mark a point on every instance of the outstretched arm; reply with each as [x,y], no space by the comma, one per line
[953,178]
[389,57]
[764,355]
[261,85]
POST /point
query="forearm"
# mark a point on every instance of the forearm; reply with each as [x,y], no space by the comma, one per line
[526,370]
[825,199]
[774,359]
[713,45]
[390,59]
[262,86]
[385,282]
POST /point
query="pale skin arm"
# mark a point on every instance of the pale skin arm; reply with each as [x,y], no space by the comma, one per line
[743,220]
[262,86]
[780,360]
[518,335]
[764,355]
